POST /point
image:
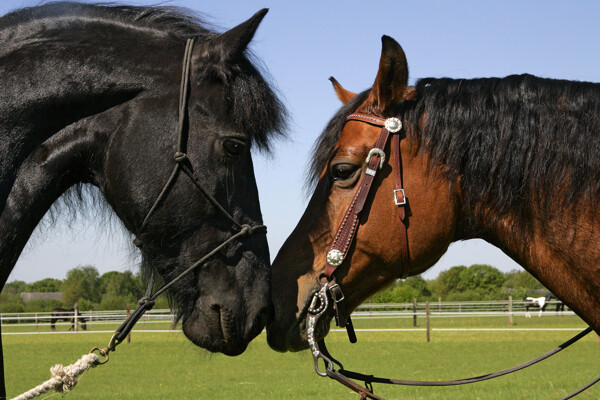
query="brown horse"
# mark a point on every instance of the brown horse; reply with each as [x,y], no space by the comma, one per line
[512,160]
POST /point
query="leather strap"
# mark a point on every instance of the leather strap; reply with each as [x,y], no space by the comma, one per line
[347,229]
[401,201]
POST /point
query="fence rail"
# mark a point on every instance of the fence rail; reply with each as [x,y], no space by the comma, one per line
[498,308]
[90,316]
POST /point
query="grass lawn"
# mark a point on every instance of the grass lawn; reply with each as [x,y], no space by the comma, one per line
[167,366]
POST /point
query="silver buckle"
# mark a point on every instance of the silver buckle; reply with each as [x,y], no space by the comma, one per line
[376,152]
[333,292]
[396,201]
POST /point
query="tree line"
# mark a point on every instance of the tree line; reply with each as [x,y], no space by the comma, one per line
[461,283]
[114,290]
[83,285]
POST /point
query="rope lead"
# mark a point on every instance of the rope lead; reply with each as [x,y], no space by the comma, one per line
[63,378]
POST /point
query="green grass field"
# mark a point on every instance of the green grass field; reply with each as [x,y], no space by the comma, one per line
[167,366]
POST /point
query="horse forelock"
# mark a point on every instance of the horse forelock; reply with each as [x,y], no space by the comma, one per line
[326,142]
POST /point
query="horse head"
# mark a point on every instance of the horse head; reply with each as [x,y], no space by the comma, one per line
[375,256]
[224,304]
[170,152]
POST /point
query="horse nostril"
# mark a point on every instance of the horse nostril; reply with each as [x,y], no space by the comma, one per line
[215,307]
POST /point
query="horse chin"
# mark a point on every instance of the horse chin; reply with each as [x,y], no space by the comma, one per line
[294,337]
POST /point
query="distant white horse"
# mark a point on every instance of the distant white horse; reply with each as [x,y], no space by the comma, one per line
[537,302]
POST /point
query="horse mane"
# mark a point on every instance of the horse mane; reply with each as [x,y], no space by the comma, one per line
[255,105]
[177,21]
[522,146]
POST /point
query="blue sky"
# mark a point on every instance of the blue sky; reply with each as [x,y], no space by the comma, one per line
[302,43]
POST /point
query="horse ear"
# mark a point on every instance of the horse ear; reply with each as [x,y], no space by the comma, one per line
[392,77]
[342,94]
[223,49]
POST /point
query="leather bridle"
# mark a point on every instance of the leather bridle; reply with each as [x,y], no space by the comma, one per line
[338,251]
[345,233]
[182,163]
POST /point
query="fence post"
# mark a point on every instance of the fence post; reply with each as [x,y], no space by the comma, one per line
[440,304]
[510,311]
[128,314]
[36,320]
[414,312]
[428,325]
[75,312]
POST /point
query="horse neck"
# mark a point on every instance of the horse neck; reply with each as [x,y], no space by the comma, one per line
[63,137]
[49,85]
[561,251]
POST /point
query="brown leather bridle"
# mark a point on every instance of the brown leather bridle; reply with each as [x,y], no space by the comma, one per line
[347,230]
[338,251]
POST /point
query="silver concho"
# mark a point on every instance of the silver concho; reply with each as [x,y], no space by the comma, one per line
[335,258]
[393,124]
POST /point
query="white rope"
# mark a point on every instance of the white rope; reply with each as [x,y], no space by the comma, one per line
[63,378]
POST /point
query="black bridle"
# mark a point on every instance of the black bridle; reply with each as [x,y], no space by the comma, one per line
[330,292]
[182,163]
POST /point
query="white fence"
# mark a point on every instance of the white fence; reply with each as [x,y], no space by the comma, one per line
[91,317]
[439,309]
[498,308]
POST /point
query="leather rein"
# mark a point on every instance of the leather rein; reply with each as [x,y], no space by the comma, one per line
[182,164]
[330,292]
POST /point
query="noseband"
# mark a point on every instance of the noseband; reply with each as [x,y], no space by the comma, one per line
[182,163]
[338,251]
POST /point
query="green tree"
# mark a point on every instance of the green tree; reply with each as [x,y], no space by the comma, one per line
[10,299]
[450,281]
[481,278]
[419,284]
[45,285]
[121,284]
[403,291]
[14,288]
[481,281]
[521,280]
[87,284]
[74,293]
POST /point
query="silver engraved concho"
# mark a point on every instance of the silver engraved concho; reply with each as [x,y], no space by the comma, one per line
[393,124]
[335,258]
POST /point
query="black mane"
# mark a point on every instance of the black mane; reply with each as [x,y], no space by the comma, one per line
[255,107]
[177,21]
[514,141]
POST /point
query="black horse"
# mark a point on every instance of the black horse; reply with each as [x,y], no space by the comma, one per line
[89,95]
[67,314]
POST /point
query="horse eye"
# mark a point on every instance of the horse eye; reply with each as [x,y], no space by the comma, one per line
[232,147]
[342,172]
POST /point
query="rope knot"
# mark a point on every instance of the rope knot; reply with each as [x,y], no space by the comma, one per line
[180,157]
[246,230]
[146,302]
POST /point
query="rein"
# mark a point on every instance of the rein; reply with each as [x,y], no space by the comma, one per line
[337,253]
[182,163]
